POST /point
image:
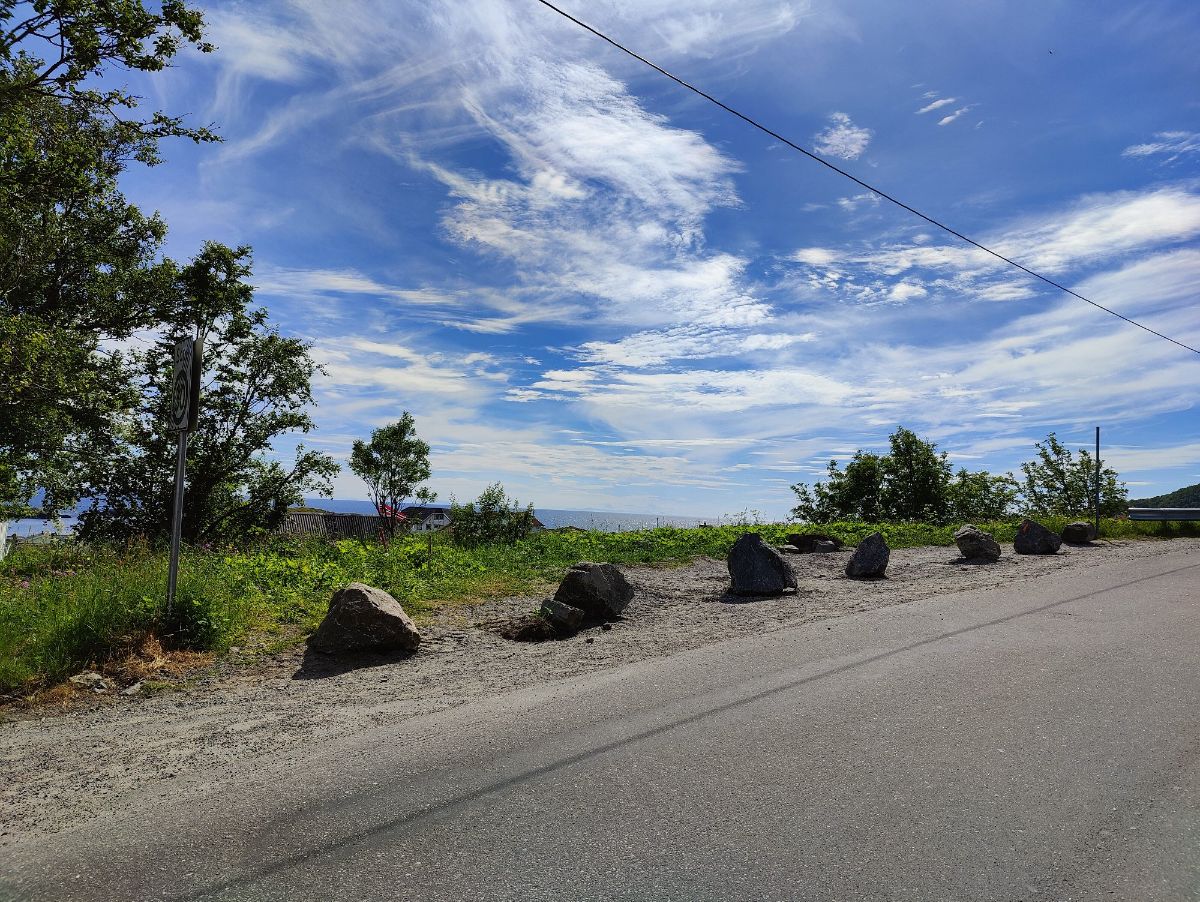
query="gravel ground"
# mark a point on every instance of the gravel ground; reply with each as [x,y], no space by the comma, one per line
[64,767]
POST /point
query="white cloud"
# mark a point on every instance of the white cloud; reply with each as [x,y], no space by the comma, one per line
[936,105]
[1095,230]
[946,120]
[842,139]
[323,283]
[1173,145]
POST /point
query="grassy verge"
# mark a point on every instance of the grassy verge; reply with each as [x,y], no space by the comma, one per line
[67,607]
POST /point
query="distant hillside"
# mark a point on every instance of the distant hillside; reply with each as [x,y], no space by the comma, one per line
[1188,496]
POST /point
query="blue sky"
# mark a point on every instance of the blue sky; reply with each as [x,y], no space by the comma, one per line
[608,294]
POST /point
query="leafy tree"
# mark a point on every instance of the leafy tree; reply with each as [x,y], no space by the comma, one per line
[256,389]
[915,479]
[392,465]
[78,263]
[1059,483]
[981,496]
[913,482]
[855,493]
[492,518]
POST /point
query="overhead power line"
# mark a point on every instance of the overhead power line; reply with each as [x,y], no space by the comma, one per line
[842,172]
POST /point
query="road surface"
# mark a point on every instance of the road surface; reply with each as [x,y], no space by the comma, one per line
[1037,742]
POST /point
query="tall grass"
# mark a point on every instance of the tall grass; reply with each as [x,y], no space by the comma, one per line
[66,607]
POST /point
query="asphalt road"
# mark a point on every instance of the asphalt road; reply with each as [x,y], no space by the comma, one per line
[1041,742]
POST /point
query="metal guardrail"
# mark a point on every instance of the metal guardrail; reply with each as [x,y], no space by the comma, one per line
[1164,513]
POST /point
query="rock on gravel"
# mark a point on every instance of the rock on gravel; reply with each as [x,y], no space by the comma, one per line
[807,543]
[599,590]
[1034,538]
[976,545]
[362,618]
[1079,533]
[89,679]
[755,568]
[870,558]
[566,619]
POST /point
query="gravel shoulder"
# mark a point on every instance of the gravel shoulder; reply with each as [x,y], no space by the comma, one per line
[64,768]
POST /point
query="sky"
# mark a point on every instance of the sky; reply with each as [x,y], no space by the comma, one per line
[608,294]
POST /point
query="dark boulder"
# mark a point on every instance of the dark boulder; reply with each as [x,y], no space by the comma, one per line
[566,619]
[976,545]
[362,618]
[599,590]
[806,543]
[1034,538]
[1079,533]
[755,568]
[870,558]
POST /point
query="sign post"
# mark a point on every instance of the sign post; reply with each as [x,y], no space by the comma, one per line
[185,392]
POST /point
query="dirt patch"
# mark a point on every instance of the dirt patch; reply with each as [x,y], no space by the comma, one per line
[62,768]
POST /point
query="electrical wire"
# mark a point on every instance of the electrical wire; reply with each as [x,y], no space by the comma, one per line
[858,181]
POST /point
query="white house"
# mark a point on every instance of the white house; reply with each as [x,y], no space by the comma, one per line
[426,519]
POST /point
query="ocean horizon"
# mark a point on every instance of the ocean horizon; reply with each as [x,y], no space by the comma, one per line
[552,518]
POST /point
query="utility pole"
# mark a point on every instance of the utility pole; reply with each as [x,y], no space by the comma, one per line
[1097,482]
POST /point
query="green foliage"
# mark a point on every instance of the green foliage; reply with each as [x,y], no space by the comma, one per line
[854,493]
[78,262]
[971,497]
[1059,483]
[912,482]
[392,465]
[256,388]
[492,518]
[1188,496]
[915,479]
[915,483]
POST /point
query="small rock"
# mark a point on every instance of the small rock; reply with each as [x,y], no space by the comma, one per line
[566,619]
[599,590]
[805,543]
[976,545]
[89,679]
[870,558]
[1079,533]
[1034,538]
[529,628]
[822,547]
[755,568]
[133,690]
[787,549]
[606,626]
[590,639]
[361,617]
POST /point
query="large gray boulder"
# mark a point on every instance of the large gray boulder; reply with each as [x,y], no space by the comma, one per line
[599,590]
[363,618]
[755,568]
[1034,538]
[870,558]
[976,545]
[1079,533]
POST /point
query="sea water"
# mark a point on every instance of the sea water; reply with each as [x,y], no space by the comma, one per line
[551,518]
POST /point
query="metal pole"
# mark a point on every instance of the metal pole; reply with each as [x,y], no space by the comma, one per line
[1097,482]
[177,520]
